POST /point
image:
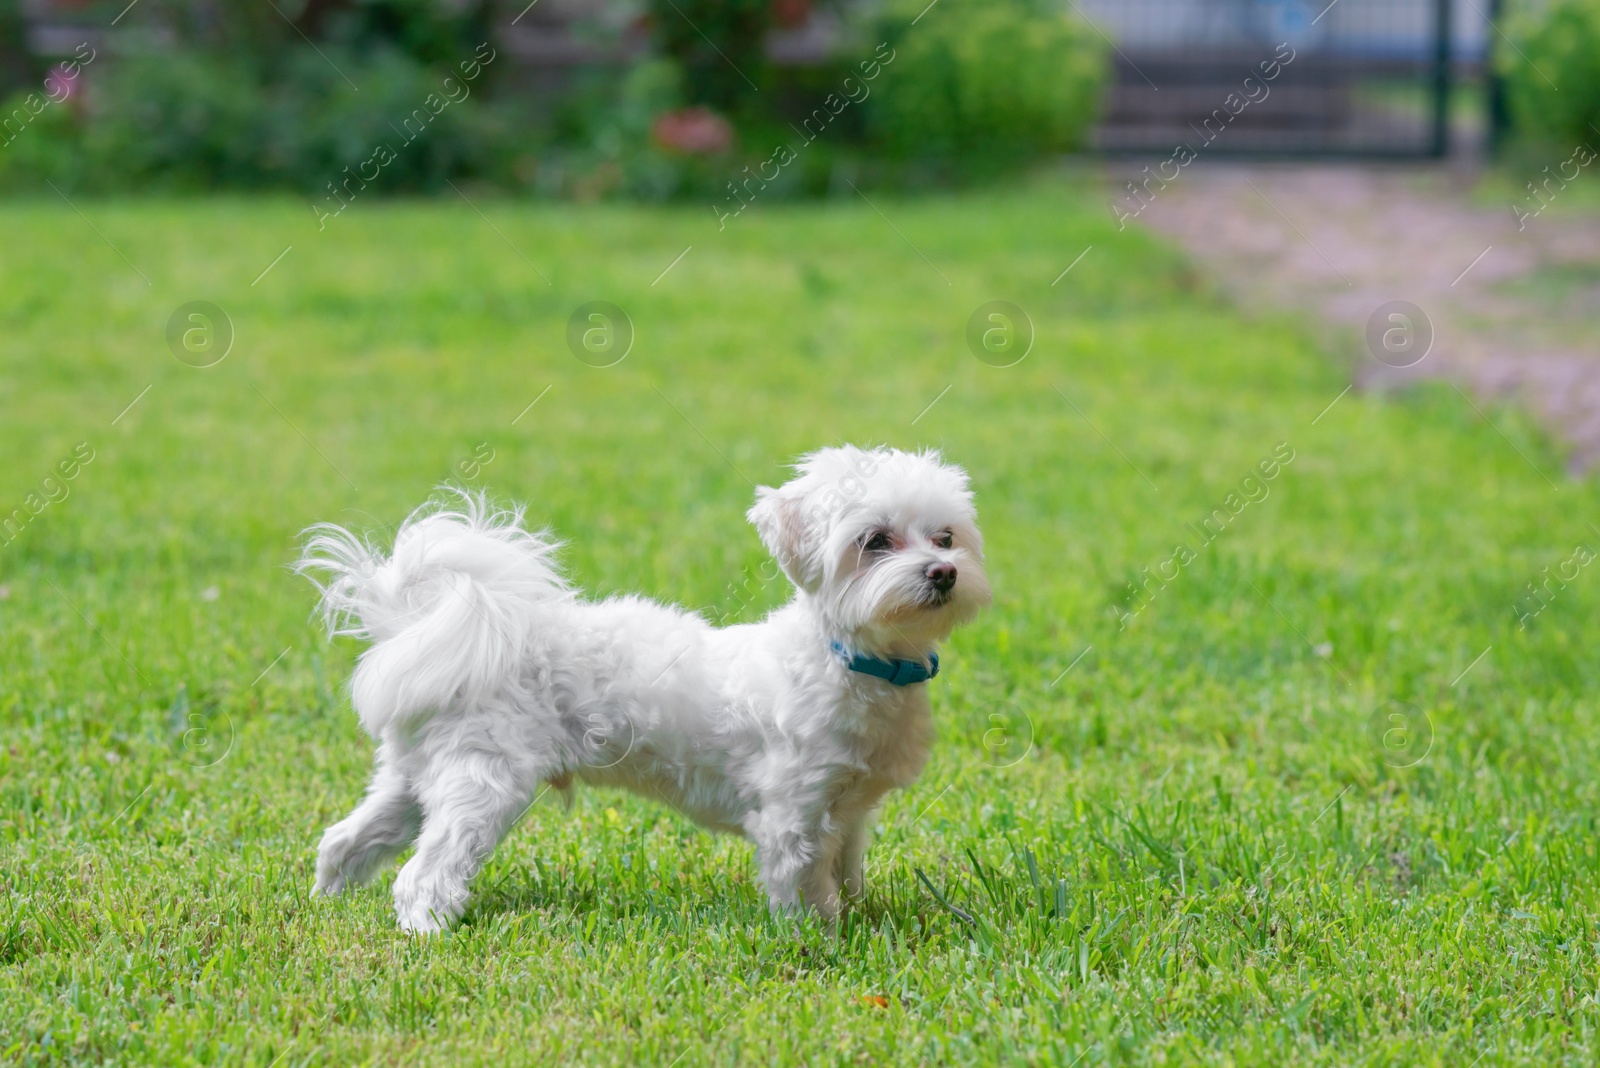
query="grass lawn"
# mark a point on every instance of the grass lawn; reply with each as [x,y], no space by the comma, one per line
[1166,828]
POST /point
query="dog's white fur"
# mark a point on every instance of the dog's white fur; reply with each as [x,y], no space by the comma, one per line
[486,677]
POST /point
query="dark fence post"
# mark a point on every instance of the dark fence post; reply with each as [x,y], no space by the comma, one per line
[1441,78]
[1494,83]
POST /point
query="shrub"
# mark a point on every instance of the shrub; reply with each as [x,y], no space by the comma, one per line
[245,100]
[1553,74]
[316,126]
[609,140]
[184,119]
[188,120]
[38,142]
[988,83]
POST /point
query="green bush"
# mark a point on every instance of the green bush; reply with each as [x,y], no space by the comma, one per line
[242,102]
[247,100]
[605,146]
[988,83]
[1553,73]
[185,119]
[316,126]
[603,143]
[38,142]
[195,121]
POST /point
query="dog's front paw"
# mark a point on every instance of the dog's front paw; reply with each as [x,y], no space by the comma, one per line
[423,906]
[331,876]
[333,854]
[419,920]
[326,886]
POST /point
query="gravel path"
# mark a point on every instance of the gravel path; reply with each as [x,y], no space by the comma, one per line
[1515,312]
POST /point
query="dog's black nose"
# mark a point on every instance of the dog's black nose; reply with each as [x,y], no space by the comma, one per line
[943,576]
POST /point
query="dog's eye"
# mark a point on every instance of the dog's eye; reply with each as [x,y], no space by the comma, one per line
[944,539]
[876,542]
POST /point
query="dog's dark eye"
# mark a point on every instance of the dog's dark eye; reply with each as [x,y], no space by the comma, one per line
[944,539]
[876,542]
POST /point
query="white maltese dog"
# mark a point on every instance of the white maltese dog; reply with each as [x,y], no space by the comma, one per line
[486,677]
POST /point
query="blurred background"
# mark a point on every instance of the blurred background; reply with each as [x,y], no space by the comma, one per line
[669,98]
[1353,151]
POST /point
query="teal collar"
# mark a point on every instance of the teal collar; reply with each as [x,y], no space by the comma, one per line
[894,672]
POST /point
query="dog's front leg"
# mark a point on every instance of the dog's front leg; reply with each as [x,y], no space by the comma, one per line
[798,856]
[852,858]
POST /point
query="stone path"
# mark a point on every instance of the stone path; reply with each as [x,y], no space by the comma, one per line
[1515,312]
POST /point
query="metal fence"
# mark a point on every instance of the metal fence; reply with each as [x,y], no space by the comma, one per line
[1281,77]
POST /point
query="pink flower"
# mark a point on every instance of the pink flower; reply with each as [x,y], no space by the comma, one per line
[59,85]
[694,131]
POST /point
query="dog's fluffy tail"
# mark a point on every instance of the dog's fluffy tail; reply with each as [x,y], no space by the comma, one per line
[449,611]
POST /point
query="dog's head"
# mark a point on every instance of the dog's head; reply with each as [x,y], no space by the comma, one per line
[884,543]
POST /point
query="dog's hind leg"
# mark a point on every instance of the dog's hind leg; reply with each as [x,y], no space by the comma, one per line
[386,821]
[467,806]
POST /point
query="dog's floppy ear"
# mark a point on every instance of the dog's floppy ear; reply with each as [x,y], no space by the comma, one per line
[780,518]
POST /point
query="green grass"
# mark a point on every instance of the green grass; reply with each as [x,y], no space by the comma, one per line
[1206,853]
